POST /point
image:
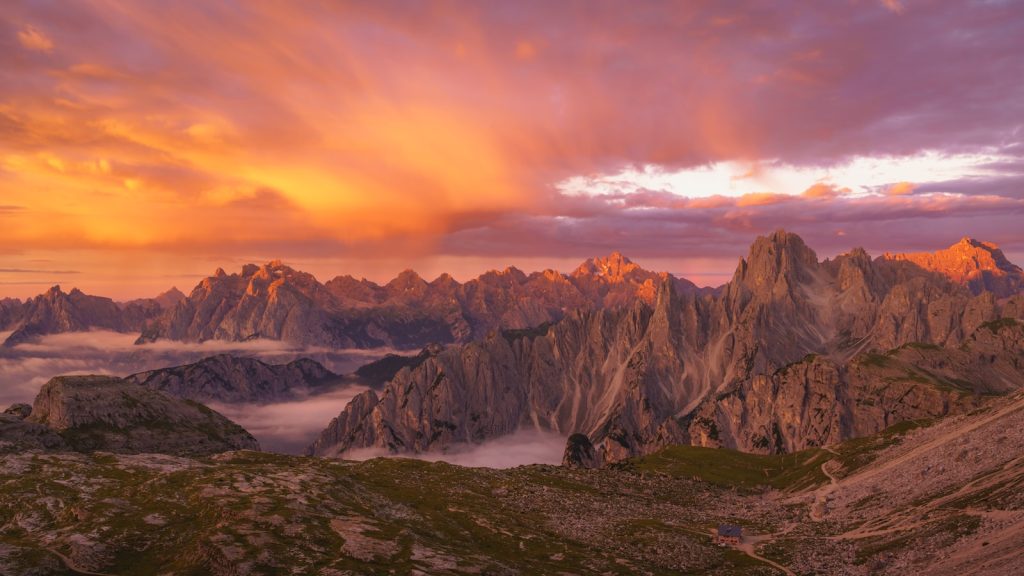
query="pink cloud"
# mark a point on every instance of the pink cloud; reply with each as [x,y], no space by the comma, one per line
[33,39]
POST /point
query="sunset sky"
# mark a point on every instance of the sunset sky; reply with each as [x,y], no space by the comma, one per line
[145,144]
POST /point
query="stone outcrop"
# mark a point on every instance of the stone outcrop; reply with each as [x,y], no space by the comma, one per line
[17,435]
[579,453]
[231,379]
[780,358]
[19,410]
[109,414]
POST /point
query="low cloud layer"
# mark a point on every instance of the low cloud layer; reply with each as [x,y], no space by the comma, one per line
[289,427]
[286,427]
[526,446]
[26,367]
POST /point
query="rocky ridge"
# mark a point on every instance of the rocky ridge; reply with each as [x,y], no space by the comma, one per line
[56,311]
[274,301]
[792,353]
[232,379]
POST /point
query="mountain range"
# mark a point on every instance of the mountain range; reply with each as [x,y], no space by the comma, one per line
[56,311]
[792,353]
[273,301]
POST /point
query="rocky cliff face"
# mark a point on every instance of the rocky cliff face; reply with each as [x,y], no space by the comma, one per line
[229,379]
[110,414]
[730,368]
[276,302]
[981,266]
[56,312]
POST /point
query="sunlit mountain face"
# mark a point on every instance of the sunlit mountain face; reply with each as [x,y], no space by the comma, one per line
[144,144]
[511,288]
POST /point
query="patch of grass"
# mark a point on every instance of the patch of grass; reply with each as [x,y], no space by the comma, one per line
[736,469]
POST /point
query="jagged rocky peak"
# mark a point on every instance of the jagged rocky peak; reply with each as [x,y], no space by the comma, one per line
[854,271]
[614,267]
[445,281]
[780,255]
[628,376]
[407,281]
[981,266]
[56,312]
[170,298]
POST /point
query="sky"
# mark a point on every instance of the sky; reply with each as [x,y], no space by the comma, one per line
[144,144]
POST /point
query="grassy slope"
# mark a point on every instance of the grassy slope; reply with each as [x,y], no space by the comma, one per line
[270,512]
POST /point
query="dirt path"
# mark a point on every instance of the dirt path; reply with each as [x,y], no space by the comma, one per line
[820,505]
[747,547]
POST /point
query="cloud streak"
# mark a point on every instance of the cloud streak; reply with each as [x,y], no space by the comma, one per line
[26,367]
[525,446]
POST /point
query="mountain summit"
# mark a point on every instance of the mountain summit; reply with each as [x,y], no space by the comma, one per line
[981,266]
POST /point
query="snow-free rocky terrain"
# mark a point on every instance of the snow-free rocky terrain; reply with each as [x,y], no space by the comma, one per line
[792,353]
[925,497]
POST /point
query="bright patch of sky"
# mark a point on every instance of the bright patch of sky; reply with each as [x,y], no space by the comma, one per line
[861,175]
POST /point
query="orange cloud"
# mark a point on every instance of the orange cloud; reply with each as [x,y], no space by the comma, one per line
[32,38]
[824,191]
[901,189]
[763,199]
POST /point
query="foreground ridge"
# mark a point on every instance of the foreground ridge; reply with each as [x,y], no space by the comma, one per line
[927,496]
